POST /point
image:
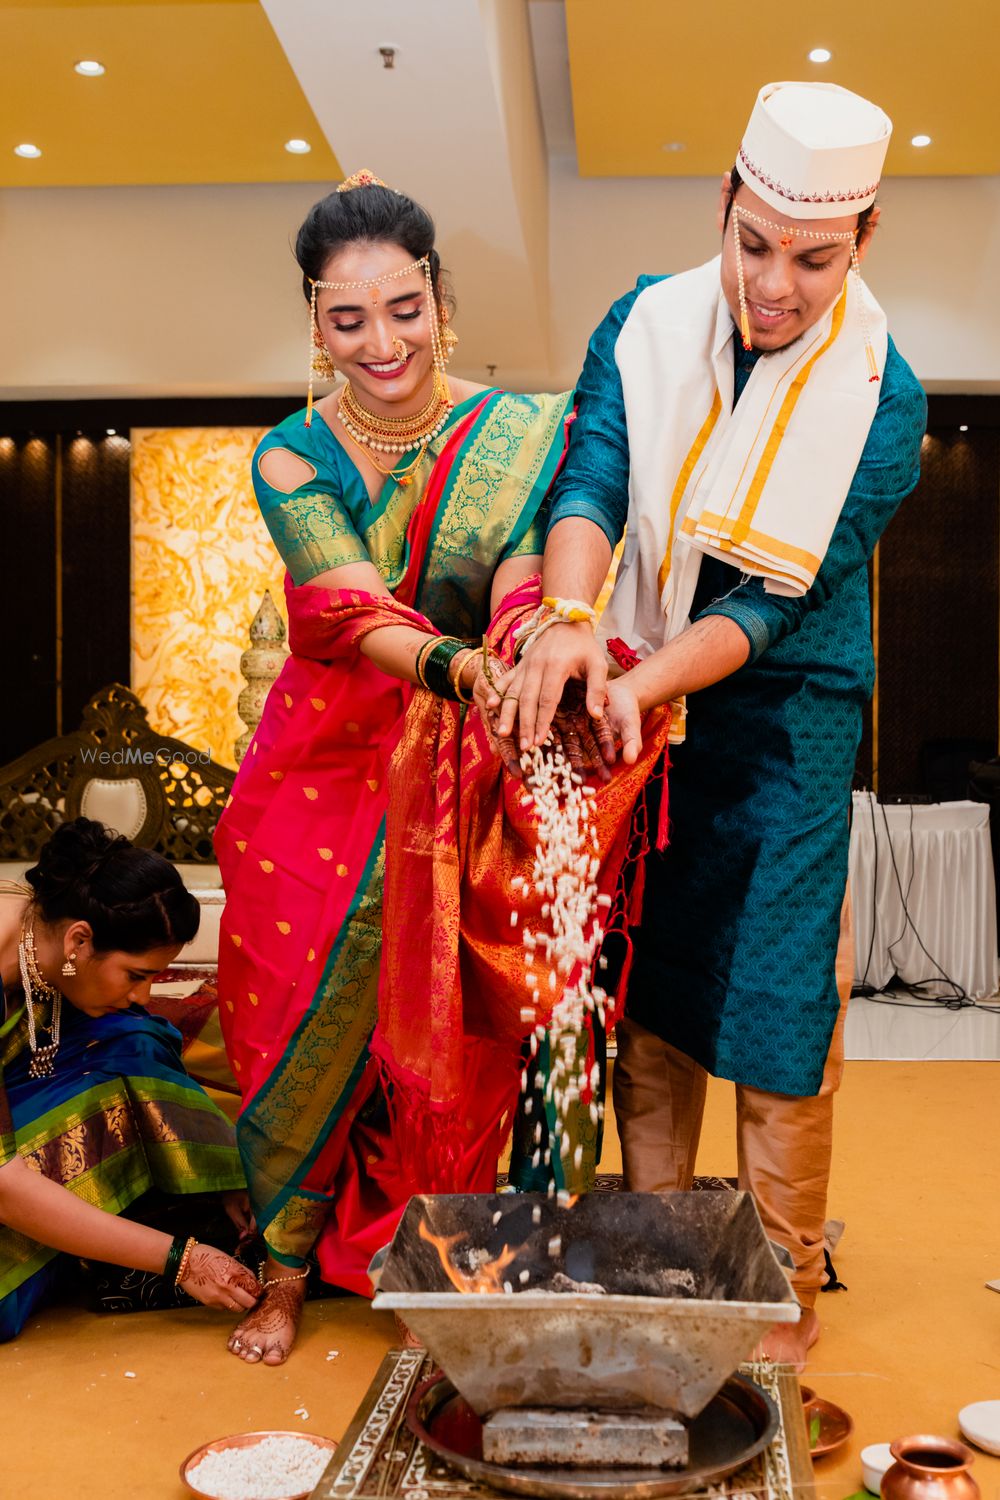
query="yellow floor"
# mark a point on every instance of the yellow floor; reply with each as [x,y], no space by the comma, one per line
[916,1337]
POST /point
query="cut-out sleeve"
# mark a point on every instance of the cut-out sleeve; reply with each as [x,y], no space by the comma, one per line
[311,526]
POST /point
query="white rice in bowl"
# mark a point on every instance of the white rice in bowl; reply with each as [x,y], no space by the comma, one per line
[275,1468]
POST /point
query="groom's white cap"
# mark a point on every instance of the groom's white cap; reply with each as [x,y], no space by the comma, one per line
[814,150]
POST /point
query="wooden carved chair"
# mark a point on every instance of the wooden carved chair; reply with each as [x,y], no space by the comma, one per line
[158,791]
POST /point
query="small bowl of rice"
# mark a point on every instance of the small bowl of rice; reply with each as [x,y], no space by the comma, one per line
[258,1466]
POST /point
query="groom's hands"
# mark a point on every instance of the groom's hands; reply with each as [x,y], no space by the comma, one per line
[588,743]
[535,691]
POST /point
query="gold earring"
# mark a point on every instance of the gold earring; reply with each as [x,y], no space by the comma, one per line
[322,365]
[448,336]
[69,967]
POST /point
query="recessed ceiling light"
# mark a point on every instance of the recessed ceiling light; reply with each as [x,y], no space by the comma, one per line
[964,427]
[88,67]
[820,54]
[675,145]
[298,147]
[27,149]
[920,140]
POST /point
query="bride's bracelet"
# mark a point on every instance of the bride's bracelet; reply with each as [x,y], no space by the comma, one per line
[460,662]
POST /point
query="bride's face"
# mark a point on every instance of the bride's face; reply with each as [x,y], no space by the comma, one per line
[365,327]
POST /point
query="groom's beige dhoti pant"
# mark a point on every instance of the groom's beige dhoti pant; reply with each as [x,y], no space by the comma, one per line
[784,1143]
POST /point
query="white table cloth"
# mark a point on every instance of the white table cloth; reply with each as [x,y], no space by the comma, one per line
[944,868]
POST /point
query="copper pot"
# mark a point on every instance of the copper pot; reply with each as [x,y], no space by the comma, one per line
[929,1468]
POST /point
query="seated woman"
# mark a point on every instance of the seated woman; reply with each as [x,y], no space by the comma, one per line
[95,1106]
[409,508]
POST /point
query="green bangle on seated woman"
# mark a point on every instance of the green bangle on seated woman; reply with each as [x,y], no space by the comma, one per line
[95,1106]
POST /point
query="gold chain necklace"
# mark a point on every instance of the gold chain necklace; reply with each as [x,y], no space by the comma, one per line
[403,477]
[394,434]
[427,413]
[34,984]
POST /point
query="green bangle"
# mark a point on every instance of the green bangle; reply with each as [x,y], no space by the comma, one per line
[436,667]
[174,1257]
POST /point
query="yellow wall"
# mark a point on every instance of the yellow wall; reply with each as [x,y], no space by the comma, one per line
[201,560]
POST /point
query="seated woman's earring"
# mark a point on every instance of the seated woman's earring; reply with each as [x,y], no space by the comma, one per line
[449,338]
[323,366]
[69,967]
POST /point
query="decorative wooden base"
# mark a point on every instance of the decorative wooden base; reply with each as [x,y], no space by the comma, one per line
[380,1457]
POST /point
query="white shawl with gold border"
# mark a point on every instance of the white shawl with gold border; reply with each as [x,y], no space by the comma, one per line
[761,486]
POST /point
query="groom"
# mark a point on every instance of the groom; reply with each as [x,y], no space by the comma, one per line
[753,423]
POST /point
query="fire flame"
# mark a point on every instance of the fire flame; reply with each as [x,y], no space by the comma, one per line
[485,1278]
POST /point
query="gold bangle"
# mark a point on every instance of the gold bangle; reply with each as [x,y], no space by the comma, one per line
[425,650]
[456,681]
[182,1269]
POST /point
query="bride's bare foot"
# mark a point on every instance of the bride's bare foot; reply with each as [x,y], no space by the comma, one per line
[789,1343]
[267,1333]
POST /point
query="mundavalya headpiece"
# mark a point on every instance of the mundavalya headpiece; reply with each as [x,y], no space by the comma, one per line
[442,339]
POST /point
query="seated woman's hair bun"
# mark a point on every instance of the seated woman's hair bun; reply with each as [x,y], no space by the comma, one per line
[133,899]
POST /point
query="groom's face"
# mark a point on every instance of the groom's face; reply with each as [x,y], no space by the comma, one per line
[787,289]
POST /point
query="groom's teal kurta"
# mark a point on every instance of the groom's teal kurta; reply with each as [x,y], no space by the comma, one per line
[734,961]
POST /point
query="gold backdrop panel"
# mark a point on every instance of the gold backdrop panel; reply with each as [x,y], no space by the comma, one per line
[201,560]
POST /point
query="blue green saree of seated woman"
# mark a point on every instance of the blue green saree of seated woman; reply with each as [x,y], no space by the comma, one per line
[117,1117]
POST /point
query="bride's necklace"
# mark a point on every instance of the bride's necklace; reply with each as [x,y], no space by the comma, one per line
[373,433]
[36,987]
